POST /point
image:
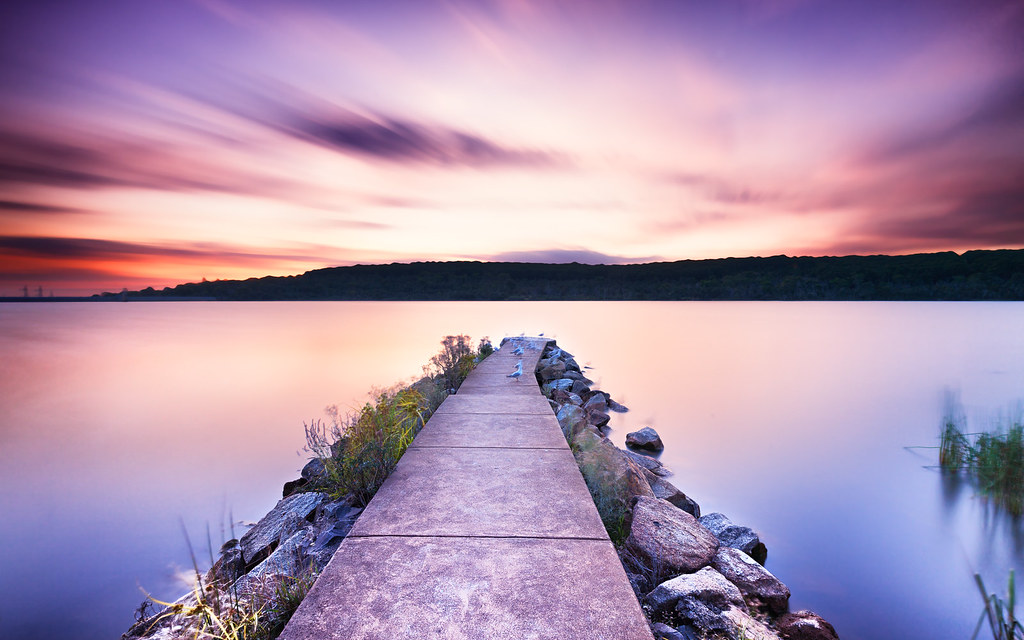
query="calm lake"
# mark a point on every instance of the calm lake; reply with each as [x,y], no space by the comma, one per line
[118,419]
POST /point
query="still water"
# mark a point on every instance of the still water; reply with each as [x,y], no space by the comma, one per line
[116,420]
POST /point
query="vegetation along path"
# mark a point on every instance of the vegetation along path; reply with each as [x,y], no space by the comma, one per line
[484,530]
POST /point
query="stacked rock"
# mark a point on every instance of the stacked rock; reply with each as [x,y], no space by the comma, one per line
[695,576]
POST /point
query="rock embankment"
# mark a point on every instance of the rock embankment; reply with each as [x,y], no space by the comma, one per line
[697,576]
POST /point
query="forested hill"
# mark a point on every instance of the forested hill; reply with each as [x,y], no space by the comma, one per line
[975,275]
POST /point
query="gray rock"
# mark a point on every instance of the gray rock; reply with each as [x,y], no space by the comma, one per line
[579,387]
[570,363]
[574,399]
[552,372]
[293,486]
[667,540]
[735,536]
[662,631]
[576,376]
[702,599]
[665,490]
[314,470]
[647,462]
[228,567]
[747,627]
[707,585]
[616,407]
[598,418]
[596,402]
[556,385]
[282,521]
[646,438]
[805,625]
[572,419]
[753,580]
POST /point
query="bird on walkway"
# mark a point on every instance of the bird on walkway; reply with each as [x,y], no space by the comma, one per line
[518,371]
[518,351]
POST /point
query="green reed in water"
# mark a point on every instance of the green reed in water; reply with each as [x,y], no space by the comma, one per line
[995,458]
[1002,619]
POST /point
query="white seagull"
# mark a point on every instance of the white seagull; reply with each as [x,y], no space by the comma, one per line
[518,372]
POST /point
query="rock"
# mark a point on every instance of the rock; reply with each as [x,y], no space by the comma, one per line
[574,399]
[572,419]
[647,462]
[700,598]
[662,631]
[667,539]
[609,474]
[556,385]
[228,567]
[282,521]
[646,438]
[552,372]
[735,536]
[287,559]
[598,418]
[747,627]
[805,625]
[596,402]
[314,470]
[579,387]
[616,407]
[753,580]
[665,490]
[293,486]
[555,406]
[576,376]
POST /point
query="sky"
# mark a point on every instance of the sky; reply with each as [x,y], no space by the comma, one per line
[154,142]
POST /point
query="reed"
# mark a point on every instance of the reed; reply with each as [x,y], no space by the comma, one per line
[994,459]
[1000,613]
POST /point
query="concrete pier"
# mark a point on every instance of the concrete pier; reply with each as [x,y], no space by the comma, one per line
[485,530]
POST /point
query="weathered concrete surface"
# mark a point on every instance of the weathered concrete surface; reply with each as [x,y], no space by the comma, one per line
[485,530]
[483,492]
[500,383]
[496,403]
[466,588]
[491,430]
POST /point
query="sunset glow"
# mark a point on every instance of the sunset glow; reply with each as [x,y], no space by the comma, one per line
[153,143]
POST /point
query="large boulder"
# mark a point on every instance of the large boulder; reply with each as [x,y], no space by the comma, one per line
[702,599]
[753,580]
[805,625]
[735,536]
[668,540]
[662,631]
[665,490]
[646,438]
[747,627]
[614,481]
[282,522]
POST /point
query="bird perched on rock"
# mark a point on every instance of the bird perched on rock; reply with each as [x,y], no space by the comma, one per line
[518,371]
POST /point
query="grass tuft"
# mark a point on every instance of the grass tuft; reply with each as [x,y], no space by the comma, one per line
[1000,613]
[995,459]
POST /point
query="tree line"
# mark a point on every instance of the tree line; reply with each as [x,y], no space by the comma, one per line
[974,275]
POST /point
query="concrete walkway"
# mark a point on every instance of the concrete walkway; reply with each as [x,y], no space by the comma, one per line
[485,530]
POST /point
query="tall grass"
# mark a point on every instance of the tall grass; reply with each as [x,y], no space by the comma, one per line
[359,451]
[995,459]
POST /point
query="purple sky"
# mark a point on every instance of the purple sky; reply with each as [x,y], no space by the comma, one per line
[160,141]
